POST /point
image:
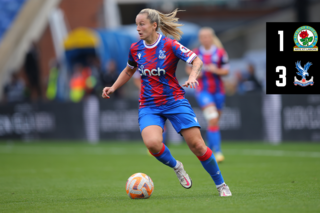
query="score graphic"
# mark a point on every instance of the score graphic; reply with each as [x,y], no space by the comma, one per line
[293,65]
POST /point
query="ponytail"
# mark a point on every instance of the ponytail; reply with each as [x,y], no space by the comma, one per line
[167,23]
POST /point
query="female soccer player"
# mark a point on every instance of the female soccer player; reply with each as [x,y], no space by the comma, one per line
[137,82]
[161,97]
[210,93]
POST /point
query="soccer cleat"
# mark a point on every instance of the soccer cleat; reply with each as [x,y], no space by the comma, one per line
[183,177]
[224,191]
[219,157]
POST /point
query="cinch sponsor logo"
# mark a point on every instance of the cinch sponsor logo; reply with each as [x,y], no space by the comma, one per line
[153,72]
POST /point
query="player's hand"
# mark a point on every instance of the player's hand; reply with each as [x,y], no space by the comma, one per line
[212,68]
[191,82]
[107,91]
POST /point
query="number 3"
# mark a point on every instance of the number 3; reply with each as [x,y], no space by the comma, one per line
[282,76]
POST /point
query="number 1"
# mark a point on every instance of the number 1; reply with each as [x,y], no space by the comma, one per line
[280,32]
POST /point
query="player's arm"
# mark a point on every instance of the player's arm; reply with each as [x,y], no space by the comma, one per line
[196,68]
[219,71]
[195,71]
[188,69]
[123,78]
[191,58]
[189,66]
[224,65]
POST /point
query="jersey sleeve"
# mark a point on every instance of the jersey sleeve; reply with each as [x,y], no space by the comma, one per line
[224,59]
[195,51]
[131,62]
[182,52]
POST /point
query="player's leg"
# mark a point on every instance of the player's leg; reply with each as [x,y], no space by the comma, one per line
[207,103]
[164,136]
[185,122]
[151,126]
[219,102]
[213,132]
[218,152]
[197,145]
[212,114]
[152,137]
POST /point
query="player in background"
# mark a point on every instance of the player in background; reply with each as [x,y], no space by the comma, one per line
[210,94]
[137,83]
[161,97]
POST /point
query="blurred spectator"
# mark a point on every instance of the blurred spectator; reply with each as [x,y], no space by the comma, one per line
[111,76]
[52,88]
[77,83]
[97,73]
[239,86]
[247,82]
[15,90]
[82,83]
[32,71]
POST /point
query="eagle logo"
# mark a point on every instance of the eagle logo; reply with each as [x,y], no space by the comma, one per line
[303,72]
[161,54]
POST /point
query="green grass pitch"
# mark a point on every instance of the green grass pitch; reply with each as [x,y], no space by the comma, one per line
[79,177]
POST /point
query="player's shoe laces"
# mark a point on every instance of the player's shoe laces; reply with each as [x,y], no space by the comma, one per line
[219,157]
[224,190]
[183,177]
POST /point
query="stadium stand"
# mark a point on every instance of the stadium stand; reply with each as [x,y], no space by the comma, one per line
[8,12]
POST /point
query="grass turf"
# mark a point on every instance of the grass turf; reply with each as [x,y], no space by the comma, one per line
[79,177]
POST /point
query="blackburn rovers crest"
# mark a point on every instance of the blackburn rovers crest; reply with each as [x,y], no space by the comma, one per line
[303,72]
[305,39]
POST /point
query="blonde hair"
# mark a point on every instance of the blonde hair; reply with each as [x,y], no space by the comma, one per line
[215,39]
[167,23]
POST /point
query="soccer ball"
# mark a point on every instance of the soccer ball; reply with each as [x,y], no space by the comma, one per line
[139,186]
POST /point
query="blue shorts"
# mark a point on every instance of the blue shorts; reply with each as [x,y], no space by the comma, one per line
[205,98]
[181,116]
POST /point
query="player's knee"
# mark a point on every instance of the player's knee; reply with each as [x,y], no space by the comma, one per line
[198,147]
[213,122]
[153,144]
[210,113]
